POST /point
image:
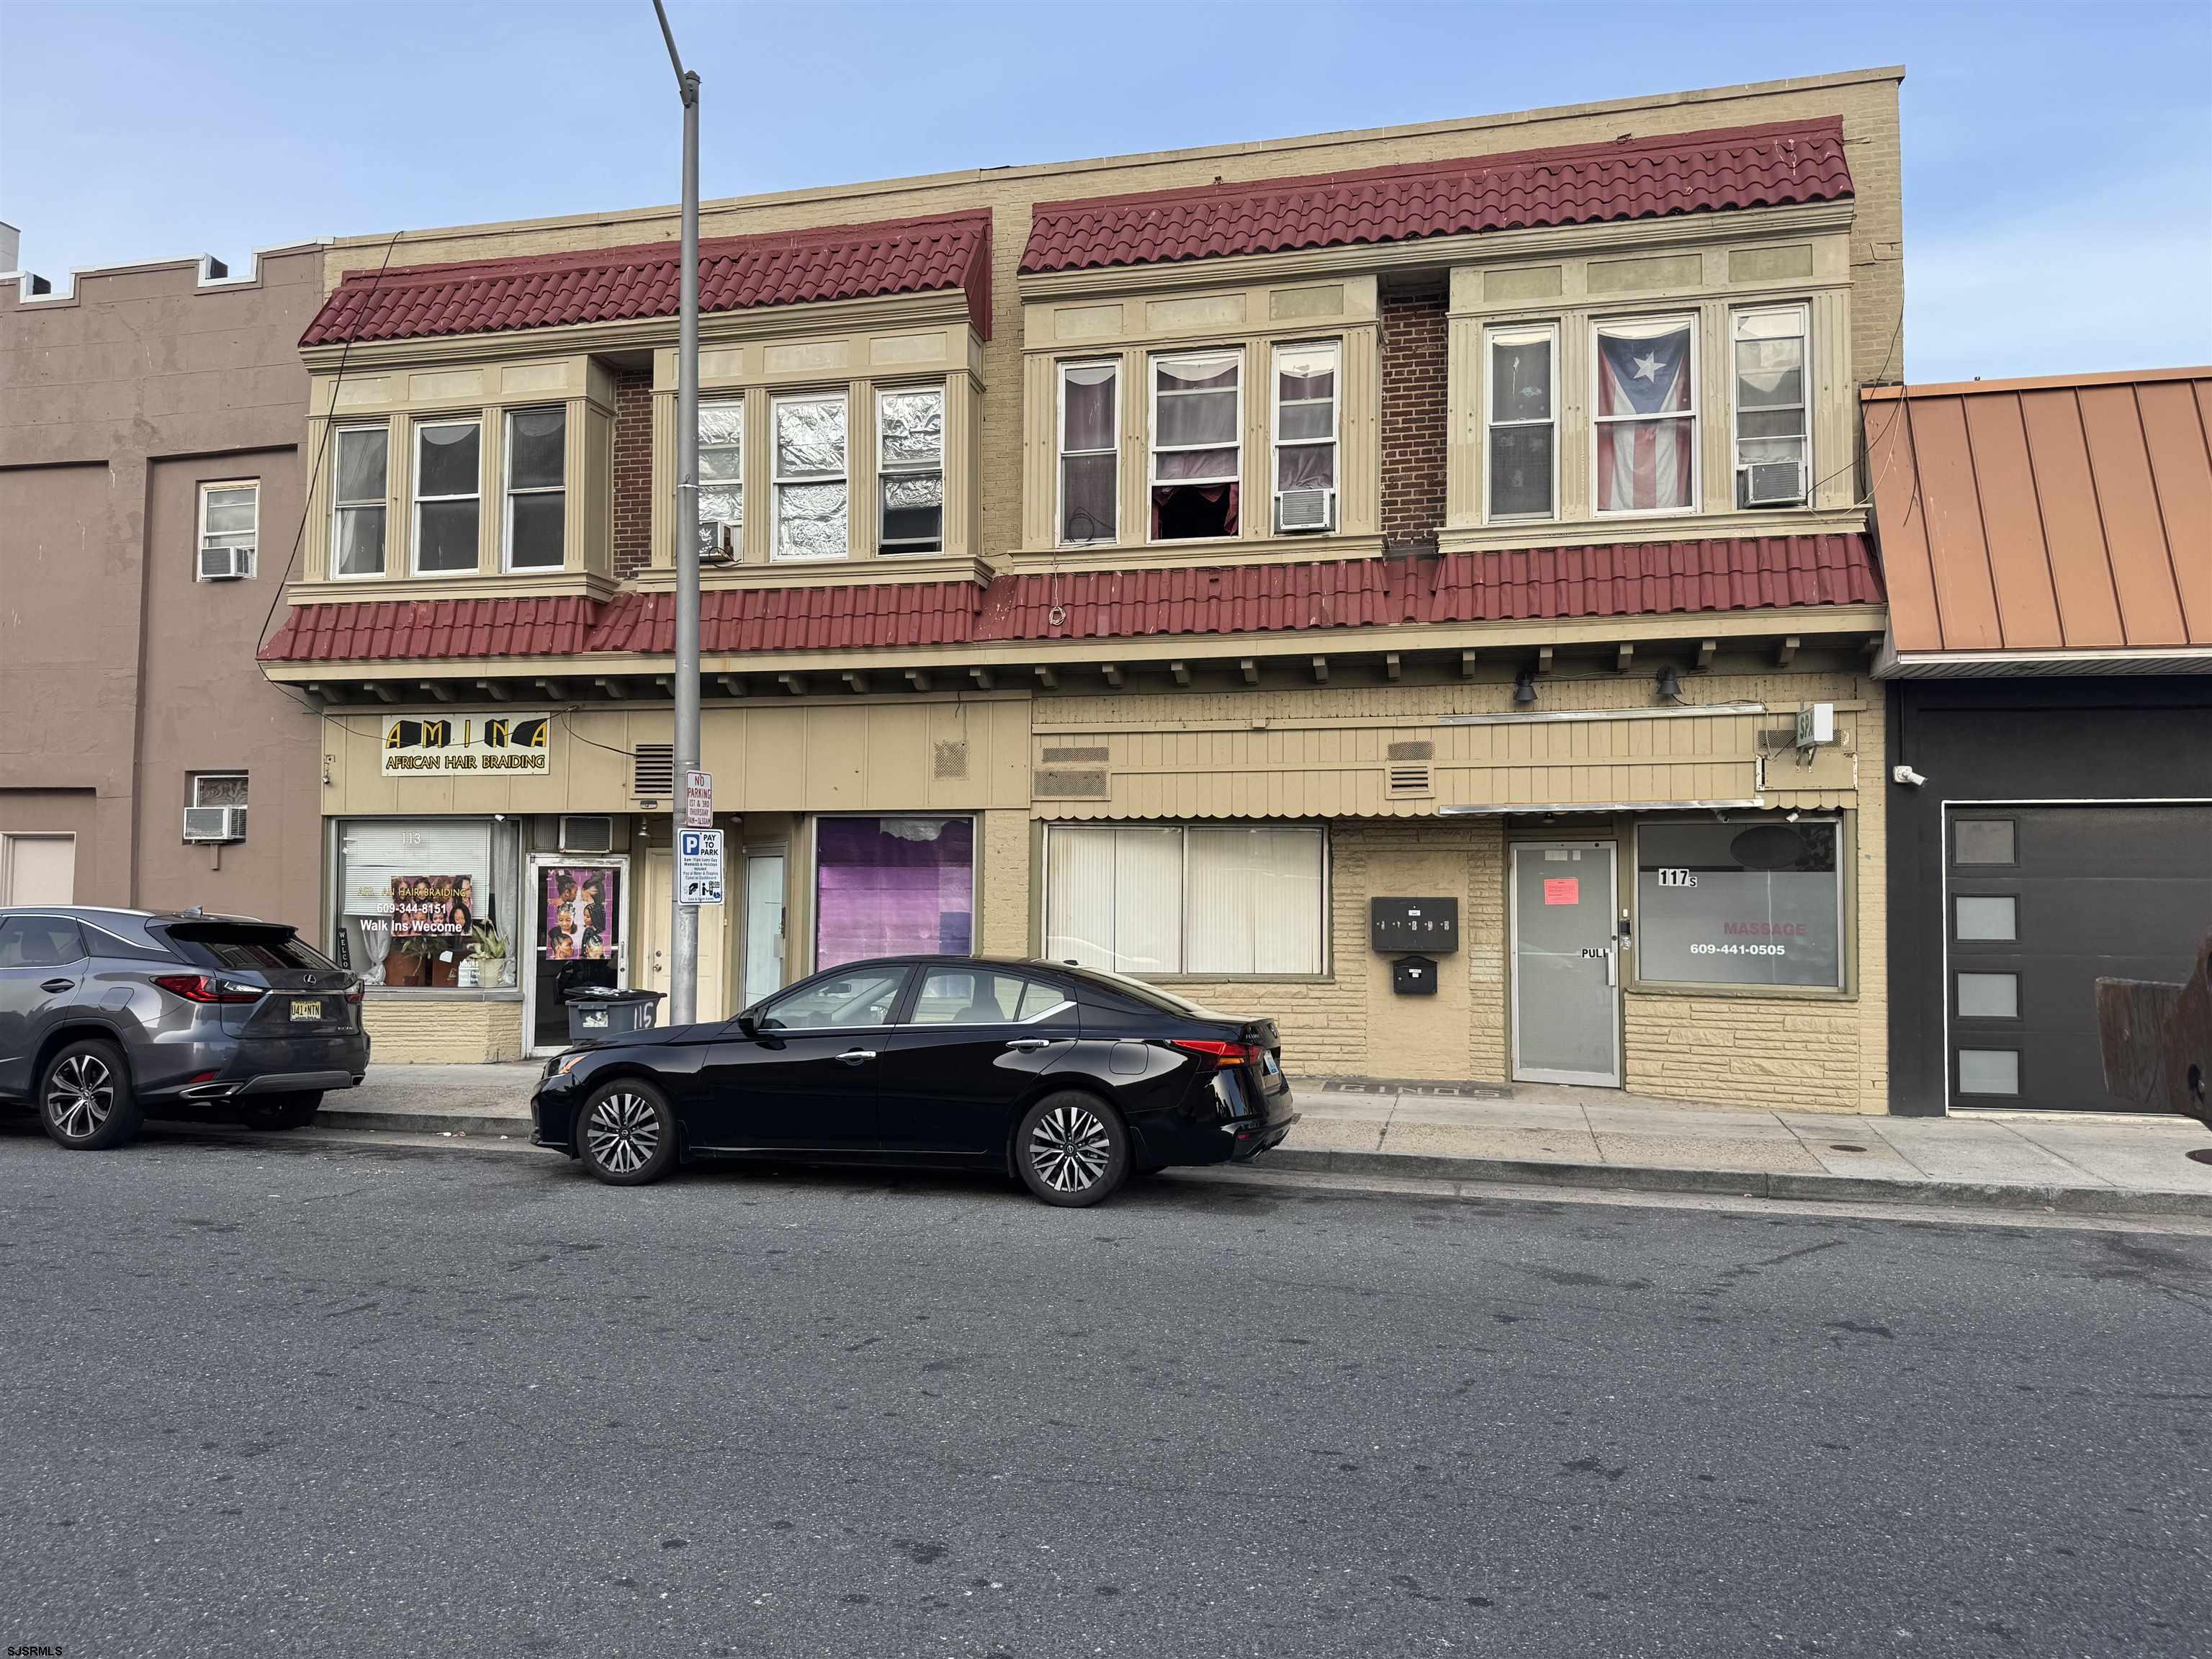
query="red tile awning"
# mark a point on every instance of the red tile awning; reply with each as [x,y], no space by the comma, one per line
[837,262]
[1633,579]
[1777,165]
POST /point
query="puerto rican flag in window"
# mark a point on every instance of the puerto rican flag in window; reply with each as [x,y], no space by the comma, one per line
[1646,445]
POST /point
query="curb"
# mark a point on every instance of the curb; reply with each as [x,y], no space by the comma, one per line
[1751,1183]
[1607,1178]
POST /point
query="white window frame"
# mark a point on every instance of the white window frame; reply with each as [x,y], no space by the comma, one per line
[1154,449]
[885,470]
[1508,334]
[1061,452]
[1694,415]
[417,498]
[745,425]
[194,779]
[1182,829]
[340,506]
[1803,312]
[1277,443]
[509,490]
[200,542]
[778,480]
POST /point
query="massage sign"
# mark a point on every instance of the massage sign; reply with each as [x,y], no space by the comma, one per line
[415,746]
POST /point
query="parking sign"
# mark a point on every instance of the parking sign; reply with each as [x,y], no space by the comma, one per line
[699,866]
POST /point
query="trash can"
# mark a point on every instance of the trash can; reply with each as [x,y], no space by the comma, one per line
[598,1011]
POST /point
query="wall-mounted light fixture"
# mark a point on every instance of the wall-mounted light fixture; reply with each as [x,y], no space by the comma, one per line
[1525,688]
[1670,684]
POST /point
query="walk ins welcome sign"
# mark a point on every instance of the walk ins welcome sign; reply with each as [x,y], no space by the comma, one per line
[415,745]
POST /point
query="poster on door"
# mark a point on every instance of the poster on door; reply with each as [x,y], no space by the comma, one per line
[579,908]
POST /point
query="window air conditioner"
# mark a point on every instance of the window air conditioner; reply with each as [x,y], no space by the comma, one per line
[215,823]
[1305,509]
[587,834]
[225,564]
[1774,484]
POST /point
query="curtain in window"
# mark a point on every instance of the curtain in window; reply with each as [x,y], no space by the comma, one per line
[1306,466]
[1173,503]
[1644,463]
[893,886]
[1113,899]
[1252,897]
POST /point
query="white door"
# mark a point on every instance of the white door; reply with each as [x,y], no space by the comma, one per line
[764,941]
[653,922]
[1566,974]
[38,869]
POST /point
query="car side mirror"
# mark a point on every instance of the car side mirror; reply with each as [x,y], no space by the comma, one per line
[748,1025]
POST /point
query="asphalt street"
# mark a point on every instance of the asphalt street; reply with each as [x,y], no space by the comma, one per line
[265,1398]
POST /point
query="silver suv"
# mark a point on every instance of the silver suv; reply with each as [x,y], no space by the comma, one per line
[107,1015]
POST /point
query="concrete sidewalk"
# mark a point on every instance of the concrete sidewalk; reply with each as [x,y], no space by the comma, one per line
[1590,1138]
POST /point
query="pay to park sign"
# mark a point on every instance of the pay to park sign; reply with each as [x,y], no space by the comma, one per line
[417,744]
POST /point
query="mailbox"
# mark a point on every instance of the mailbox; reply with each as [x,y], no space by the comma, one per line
[1414,976]
[1414,924]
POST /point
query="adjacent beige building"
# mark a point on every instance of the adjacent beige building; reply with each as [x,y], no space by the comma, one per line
[150,493]
[1412,583]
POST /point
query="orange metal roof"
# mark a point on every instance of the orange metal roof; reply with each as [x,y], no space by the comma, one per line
[2046,515]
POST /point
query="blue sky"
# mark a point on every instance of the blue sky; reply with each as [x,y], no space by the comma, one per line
[2058,158]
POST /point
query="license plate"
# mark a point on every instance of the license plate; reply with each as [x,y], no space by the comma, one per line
[307,1008]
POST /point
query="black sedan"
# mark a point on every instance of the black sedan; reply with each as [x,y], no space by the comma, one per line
[1065,1077]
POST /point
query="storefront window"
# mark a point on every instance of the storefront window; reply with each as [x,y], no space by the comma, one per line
[893,886]
[1209,899]
[427,903]
[1748,901]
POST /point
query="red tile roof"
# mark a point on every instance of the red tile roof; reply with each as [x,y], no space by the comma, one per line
[405,630]
[1770,166]
[1616,580]
[837,262]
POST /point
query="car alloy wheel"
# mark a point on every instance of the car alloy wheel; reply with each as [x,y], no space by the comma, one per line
[1070,1149]
[80,1096]
[623,1132]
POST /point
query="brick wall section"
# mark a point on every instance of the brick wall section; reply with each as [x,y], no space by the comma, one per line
[1414,420]
[405,1032]
[633,486]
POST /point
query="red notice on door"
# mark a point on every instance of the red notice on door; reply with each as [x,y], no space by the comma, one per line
[1563,889]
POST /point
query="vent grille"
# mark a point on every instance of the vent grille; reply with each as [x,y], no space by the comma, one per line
[587,834]
[951,759]
[652,771]
[1412,752]
[1075,758]
[1411,780]
[1069,783]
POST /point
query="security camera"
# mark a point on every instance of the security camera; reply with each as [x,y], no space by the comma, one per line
[1906,774]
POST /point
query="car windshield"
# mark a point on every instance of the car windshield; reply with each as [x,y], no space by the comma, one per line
[247,948]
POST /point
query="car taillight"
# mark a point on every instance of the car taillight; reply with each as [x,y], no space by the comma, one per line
[204,987]
[1222,1053]
[353,992]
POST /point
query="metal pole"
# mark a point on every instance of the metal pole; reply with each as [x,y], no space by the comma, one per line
[683,930]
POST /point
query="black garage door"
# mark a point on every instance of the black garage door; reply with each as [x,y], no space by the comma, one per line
[2044,901]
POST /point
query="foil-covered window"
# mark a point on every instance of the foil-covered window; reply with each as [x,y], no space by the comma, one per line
[812,510]
[721,475]
[910,470]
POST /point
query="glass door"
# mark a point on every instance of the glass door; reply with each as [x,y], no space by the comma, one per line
[579,936]
[764,935]
[1566,979]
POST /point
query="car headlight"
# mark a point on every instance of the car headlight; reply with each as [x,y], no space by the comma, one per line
[562,1065]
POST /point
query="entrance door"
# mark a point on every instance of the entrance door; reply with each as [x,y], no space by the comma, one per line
[763,924]
[37,869]
[579,936]
[653,922]
[1566,979]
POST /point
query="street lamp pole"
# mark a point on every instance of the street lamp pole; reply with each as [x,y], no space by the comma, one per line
[683,929]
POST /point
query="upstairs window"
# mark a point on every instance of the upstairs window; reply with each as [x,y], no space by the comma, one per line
[536,488]
[1305,437]
[449,494]
[358,473]
[721,475]
[1773,440]
[910,470]
[1521,450]
[1647,416]
[1090,452]
[813,511]
[230,528]
[1198,419]
[205,789]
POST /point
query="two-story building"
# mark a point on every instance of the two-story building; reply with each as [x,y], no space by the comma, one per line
[1414,583]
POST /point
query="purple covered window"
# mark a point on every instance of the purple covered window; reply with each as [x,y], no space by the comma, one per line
[893,886]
